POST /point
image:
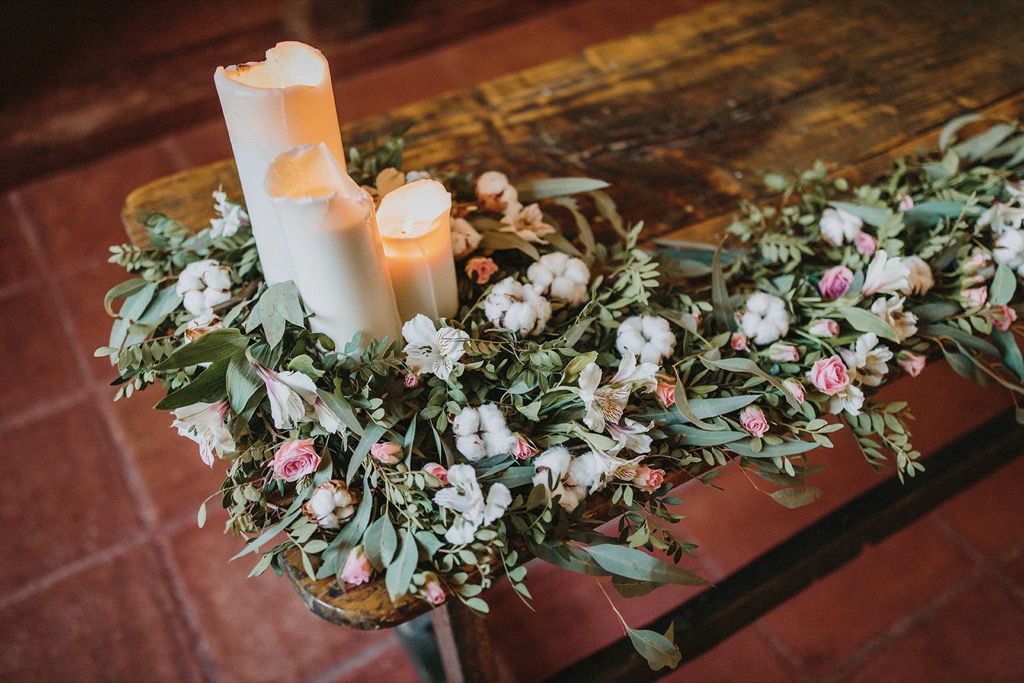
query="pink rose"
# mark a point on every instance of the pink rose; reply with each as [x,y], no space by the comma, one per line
[387,452]
[835,282]
[783,353]
[295,459]
[978,260]
[912,363]
[666,393]
[826,328]
[1002,317]
[975,297]
[435,594]
[357,568]
[865,244]
[523,449]
[795,388]
[738,342]
[412,381]
[829,375]
[439,471]
[752,419]
[481,268]
[906,202]
[648,477]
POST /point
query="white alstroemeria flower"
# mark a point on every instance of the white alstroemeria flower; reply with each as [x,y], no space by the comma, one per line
[465,497]
[593,470]
[866,361]
[1001,217]
[528,223]
[516,307]
[647,336]
[885,275]
[839,227]
[494,193]
[204,424]
[920,278]
[465,238]
[636,375]
[631,436]
[562,277]
[891,311]
[428,349]
[330,505]
[603,404]
[232,216]
[765,319]
[294,399]
[850,399]
[482,432]
[203,285]
[1008,250]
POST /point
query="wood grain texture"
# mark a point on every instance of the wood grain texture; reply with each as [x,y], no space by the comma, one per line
[681,118]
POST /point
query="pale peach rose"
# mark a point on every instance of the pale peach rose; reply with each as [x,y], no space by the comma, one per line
[829,375]
[753,420]
[1002,317]
[295,459]
[357,569]
[975,296]
[436,470]
[738,341]
[387,452]
[649,477]
[480,269]
[523,449]
[795,388]
[666,393]
[435,594]
[826,328]
[865,244]
[835,282]
[911,363]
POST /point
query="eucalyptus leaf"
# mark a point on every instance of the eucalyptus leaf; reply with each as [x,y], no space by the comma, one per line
[213,346]
[208,387]
[1007,343]
[635,564]
[797,496]
[241,382]
[1004,284]
[399,573]
[788,447]
[370,437]
[659,650]
[544,188]
[866,321]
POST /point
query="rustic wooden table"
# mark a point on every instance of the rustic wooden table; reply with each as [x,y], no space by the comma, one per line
[680,119]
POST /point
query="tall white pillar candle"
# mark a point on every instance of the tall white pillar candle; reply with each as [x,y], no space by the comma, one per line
[270,107]
[328,223]
[415,225]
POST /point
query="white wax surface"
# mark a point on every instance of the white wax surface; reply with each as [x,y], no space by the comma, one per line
[270,107]
[328,224]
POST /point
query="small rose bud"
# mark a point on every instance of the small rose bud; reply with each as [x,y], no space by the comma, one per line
[826,328]
[412,381]
[387,452]
[783,353]
[795,388]
[436,470]
[1002,317]
[435,593]
[906,202]
[753,420]
[480,269]
[666,393]
[357,569]
[974,297]
[738,341]
[911,363]
[649,478]
[865,244]
[523,449]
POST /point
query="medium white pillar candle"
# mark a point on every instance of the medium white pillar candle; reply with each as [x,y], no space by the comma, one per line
[270,107]
[415,225]
[328,223]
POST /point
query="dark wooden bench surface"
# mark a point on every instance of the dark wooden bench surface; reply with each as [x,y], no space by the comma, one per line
[681,119]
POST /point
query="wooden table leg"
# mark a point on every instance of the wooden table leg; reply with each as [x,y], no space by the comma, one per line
[465,645]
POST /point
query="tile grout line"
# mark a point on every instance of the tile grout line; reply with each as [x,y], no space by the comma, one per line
[903,626]
[994,564]
[41,409]
[144,506]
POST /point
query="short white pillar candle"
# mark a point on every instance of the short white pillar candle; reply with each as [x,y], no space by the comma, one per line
[328,223]
[415,225]
[270,107]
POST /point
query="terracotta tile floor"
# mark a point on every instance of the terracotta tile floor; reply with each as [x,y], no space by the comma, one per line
[106,577]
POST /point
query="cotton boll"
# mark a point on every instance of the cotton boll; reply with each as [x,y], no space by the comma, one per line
[647,336]
[765,319]
[466,422]
[472,446]
[585,471]
[561,276]
[517,307]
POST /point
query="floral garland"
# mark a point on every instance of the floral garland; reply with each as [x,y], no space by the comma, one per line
[575,370]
